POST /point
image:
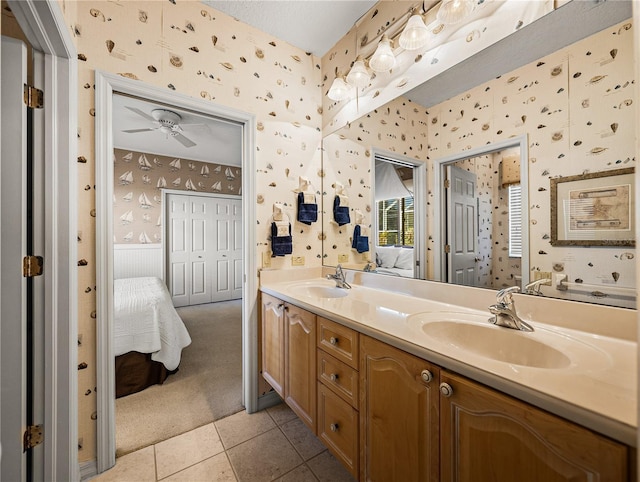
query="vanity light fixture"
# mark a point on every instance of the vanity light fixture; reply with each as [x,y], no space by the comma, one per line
[454,11]
[339,89]
[383,59]
[359,76]
[415,34]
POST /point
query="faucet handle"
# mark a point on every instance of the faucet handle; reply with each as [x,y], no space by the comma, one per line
[533,288]
[505,295]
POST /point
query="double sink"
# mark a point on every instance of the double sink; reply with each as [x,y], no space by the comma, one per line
[472,333]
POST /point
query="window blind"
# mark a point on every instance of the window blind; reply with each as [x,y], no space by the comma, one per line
[515,221]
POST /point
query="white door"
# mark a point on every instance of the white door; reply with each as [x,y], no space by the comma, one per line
[21,299]
[227,249]
[204,249]
[462,227]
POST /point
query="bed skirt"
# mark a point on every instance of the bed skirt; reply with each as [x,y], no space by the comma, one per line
[136,371]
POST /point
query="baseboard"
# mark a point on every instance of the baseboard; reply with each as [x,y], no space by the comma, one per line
[88,469]
[269,400]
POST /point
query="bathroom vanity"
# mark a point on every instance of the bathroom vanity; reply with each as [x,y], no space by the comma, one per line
[406,380]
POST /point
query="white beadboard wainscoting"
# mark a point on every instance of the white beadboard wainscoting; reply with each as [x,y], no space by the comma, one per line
[136,260]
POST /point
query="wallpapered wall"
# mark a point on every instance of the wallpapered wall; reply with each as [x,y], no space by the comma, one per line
[398,127]
[197,51]
[575,106]
[137,193]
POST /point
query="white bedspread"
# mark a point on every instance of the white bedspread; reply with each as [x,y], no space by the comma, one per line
[147,322]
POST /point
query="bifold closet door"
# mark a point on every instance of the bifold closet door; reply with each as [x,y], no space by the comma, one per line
[204,250]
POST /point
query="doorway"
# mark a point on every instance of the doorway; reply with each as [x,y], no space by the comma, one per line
[106,86]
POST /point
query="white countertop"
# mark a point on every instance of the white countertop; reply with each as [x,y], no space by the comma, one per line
[598,393]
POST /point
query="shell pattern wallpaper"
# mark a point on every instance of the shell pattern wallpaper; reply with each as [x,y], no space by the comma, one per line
[139,178]
[574,104]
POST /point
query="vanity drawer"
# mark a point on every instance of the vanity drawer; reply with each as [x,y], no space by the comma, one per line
[339,341]
[338,428]
[339,377]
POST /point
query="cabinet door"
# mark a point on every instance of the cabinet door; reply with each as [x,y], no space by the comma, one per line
[398,415]
[300,363]
[273,342]
[489,436]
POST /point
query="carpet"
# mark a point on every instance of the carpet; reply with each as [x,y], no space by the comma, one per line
[206,388]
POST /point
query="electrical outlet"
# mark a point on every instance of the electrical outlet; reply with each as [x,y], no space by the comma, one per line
[266,260]
[542,275]
[297,261]
[343,258]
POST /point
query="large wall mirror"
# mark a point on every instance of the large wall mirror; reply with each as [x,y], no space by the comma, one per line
[565,114]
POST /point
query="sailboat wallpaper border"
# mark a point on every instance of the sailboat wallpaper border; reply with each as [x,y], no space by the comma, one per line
[139,178]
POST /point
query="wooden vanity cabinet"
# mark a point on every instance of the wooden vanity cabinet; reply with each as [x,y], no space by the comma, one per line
[487,436]
[300,363]
[272,328]
[399,422]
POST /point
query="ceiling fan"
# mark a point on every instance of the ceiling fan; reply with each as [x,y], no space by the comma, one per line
[168,122]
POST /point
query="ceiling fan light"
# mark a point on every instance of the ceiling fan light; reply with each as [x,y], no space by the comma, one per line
[339,89]
[383,58]
[415,34]
[359,76]
[454,11]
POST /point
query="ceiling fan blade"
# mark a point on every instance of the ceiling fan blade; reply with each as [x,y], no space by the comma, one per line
[133,131]
[141,113]
[186,142]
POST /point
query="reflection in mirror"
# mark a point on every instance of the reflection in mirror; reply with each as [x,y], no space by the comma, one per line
[484,235]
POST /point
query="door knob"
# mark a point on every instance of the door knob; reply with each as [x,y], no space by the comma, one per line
[476,259]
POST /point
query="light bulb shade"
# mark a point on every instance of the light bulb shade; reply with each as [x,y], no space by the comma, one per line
[383,58]
[358,76]
[453,11]
[339,89]
[415,34]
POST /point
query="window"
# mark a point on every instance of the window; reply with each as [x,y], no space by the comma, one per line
[395,221]
[515,221]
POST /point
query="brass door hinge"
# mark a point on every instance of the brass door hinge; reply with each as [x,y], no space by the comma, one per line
[33,98]
[447,248]
[32,266]
[447,183]
[34,435]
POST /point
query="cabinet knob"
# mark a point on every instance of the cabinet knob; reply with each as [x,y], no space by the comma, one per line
[426,375]
[446,389]
[280,306]
[333,377]
[333,340]
[334,427]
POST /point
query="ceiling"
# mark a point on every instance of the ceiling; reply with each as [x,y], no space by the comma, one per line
[311,25]
[217,141]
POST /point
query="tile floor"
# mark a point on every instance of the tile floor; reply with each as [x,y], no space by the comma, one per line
[269,445]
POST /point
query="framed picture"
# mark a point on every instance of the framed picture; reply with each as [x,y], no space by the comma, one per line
[596,209]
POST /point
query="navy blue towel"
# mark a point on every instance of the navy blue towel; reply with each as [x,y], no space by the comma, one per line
[280,245]
[359,243]
[340,213]
[307,212]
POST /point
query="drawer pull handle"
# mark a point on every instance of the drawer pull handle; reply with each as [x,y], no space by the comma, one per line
[333,340]
[333,377]
[426,375]
[446,389]
[334,427]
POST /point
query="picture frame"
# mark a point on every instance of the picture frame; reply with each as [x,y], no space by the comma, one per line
[594,209]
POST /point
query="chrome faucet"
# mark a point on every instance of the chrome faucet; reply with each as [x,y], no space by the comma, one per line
[339,278]
[533,288]
[504,311]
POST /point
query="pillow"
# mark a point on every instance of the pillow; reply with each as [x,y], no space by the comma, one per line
[405,259]
[387,256]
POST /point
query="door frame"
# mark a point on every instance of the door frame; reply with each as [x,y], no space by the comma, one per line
[44,26]
[419,208]
[439,200]
[165,227]
[106,85]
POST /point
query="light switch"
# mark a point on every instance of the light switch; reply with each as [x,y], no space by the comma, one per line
[266,260]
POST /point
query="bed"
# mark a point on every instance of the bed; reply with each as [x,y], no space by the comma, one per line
[148,334]
[395,261]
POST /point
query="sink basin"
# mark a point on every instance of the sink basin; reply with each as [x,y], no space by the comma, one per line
[474,334]
[502,344]
[320,291]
